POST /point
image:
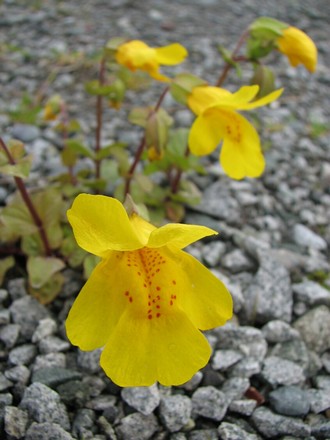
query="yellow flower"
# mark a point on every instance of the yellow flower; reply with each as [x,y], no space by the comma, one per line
[136,55]
[146,299]
[241,155]
[298,47]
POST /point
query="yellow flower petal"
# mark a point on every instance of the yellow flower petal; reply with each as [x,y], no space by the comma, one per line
[262,101]
[98,307]
[171,54]
[241,155]
[203,297]
[134,54]
[205,133]
[178,235]
[101,224]
[203,97]
[298,47]
[140,352]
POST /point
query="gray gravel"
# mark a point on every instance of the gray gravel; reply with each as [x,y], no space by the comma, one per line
[269,374]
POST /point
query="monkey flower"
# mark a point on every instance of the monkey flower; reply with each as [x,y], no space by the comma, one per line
[147,299]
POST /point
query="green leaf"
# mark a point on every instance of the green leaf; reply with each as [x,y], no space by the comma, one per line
[20,169]
[144,182]
[49,291]
[188,193]
[109,170]
[178,141]
[5,264]
[139,116]
[109,150]
[41,269]
[78,147]
[96,88]
[267,28]
[183,84]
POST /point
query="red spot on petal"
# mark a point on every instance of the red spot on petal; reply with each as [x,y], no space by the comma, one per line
[130,299]
[171,303]
[158,315]
[174,282]
[127,293]
[158,288]
[149,317]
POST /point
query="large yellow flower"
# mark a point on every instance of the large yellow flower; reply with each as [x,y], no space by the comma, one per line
[136,55]
[217,119]
[298,47]
[147,299]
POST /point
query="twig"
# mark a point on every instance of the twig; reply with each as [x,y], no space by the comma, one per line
[28,201]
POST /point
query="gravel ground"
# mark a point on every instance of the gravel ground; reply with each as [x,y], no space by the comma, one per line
[269,376]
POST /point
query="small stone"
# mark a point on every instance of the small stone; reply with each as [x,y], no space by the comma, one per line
[279,331]
[322,382]
[44,405]
[20,373]
[243,406]
[27,312]
[294,350]
[15,422]
[224,359]
[53,344]
[290,401]
[269,295]
[247,367]
[235,388]
[25,132]
[314,328]
[273,425]
[320,400]
[143,399]
[311,293]
[175,411]
[203,434]
[247,340]
[4,317]
[46,327]
[9,334]
[213,252]
[4,383]
[89,360]
[304,236]
[22,355]
[49,360]
[193,383]
[74,392]
[47,430]
[278,371]
[237,261]
[321,431]
[17,289]
[5,399]
[54,376]
[326,361]
[137,426]
[3,295]
[83,421]
[229,431]
[209,402]
[101,403]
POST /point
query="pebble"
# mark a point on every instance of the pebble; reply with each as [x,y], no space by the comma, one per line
[277,371]
[235,388]
[47,430]
[143,399]
[245,407]
[89,361]
[27,312]
[326,361]
[224,359]
[247,367]
[4,382]
[311,293]
[209,402]
[83,421]
[212,253]
[237,261]
[53,344]
[137,426]
[230,431]
[193,383]
[44,405]
[314,328]
[290,401]
[25,132]
[16,421]
[203,434]
[4,317]
[175,411]
[49,360]
[320,400]
[9,334]
[269,296]
[20,373]
[17,288]
[22,355]
[304,236]
[278,331]
[46,327]
[54,376]
[272,425]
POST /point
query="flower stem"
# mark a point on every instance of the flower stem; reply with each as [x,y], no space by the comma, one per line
[99,113]
[140,149]
[28,202]
[228,65]
[175,183]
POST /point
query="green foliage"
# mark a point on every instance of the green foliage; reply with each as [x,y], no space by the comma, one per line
[34,223]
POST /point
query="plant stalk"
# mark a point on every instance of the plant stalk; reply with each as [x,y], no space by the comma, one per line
[28,202]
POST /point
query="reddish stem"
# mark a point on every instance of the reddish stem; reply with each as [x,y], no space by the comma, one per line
[176,180]
[28,201]
[228,66]
[99,113]
[140,149]
[64,118]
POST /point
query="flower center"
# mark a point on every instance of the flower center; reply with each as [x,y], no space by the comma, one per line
[154,290]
